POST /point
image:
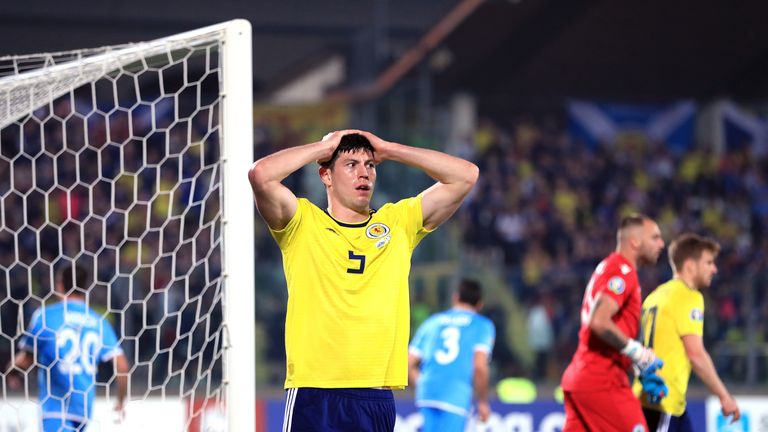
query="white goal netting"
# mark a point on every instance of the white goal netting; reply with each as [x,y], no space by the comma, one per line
[119,159]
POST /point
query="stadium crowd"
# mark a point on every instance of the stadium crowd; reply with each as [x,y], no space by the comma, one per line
[546,204]
[550,205]
[137,212]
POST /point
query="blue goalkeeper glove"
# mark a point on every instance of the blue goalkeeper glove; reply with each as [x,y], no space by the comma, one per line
[654,387]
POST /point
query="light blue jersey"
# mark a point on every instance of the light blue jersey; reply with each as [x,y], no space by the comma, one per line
[446,344]
[70,340]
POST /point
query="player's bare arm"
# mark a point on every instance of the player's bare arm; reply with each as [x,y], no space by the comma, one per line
[275,202]
[122,368]
[22,361]
[702,365]
[414,364]
[455,177]
[602,325]
[480,381]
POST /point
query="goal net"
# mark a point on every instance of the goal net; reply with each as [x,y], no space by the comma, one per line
[131,161]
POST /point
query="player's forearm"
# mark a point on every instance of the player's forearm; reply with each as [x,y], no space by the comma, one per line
[440,166]
[612,336]
[277,166]
[414,368]
[122,370]
[702,365]
[602,325]
[23,360]
[122,388]
[480,380]
[413,377]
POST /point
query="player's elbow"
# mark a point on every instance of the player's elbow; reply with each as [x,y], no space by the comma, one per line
[597,325]
[121,364]
[257,175]
[602,328]
[471,174]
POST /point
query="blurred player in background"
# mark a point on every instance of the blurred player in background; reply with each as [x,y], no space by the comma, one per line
[448,359]
[347,267]
[673,325]
[596,386]
[66,341]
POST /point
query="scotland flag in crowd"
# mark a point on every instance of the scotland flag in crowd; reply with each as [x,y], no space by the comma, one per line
[595,123]
[740,128]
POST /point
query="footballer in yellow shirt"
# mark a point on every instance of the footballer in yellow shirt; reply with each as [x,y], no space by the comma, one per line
[347,267]
[673,325]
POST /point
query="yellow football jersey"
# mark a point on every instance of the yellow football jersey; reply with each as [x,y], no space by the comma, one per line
[670,312]
[348,317]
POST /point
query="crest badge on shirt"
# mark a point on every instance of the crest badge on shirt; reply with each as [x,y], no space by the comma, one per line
[616,284]
[378,231]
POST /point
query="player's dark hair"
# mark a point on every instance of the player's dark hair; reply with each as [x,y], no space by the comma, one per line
[470,292]
[349,143]
[633,220]
[690,246]
[74,279]
[630,221]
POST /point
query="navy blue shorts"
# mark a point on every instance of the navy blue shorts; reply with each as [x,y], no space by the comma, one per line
[321,410]
[663,422]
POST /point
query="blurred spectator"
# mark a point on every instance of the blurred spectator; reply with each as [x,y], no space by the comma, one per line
[541,334]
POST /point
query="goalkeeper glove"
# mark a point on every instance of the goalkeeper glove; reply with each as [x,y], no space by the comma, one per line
[654,387]
[643,357]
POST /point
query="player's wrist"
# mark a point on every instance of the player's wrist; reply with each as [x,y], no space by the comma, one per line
[633,349]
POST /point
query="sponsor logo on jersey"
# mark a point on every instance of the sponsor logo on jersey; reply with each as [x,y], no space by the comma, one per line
[383,242]
[616,284]
[376,230]
[697,314]
[625,269]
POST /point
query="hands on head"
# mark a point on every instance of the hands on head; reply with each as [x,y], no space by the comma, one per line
[334,138]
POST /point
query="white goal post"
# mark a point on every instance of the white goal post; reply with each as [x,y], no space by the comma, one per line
[131,161]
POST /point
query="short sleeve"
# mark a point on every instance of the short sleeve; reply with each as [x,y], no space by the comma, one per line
[614,284]
[417,346]
[285,235]
[28,337]
[487,338]
[413,218]
[110,347]
[689,317]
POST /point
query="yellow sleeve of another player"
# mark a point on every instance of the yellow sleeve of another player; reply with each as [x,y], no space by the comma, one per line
[689,316]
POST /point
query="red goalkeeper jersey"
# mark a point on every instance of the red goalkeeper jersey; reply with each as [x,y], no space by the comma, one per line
[596,365]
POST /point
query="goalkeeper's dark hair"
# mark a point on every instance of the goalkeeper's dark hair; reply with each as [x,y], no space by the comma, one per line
[74,279]
[470,292]
[690,246]
[632,220]
[349,143]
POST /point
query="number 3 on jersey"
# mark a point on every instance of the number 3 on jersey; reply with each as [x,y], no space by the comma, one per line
[450,349]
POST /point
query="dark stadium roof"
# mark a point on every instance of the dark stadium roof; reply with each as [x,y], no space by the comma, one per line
[285,32]
[646,50]
[507,51]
